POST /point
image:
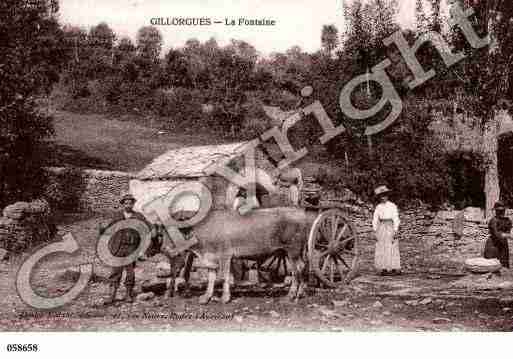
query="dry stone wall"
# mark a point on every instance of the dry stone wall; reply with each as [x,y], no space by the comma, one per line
[458,237]
[442,240]
[97,191]
[24,225]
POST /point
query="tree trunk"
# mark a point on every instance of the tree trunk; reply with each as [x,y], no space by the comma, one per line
[490,149]
[500,76]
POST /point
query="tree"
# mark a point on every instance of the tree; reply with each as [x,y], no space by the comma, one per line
[380,17]
[329,38]
[421,18]
[176,69]
[75,41]
[486,77]
[149,42]
[27,69]
[243,49]
[357,35]
[197,62]
[123,51]
[100,59]
[436,22]
[211,44]
[231,79]
[125,45]
[367,25]
[102,36]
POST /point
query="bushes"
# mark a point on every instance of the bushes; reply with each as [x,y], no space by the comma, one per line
[64,189]
[414,170]
[136,96]
[183,107]
[255,122]
[410,159]
[110,89]
[418,171]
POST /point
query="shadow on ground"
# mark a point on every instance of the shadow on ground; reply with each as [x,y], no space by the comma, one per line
[60,155]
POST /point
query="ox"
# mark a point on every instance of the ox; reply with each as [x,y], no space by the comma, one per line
[225,235]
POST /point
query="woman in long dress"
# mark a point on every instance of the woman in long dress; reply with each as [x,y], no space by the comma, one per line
[385,223]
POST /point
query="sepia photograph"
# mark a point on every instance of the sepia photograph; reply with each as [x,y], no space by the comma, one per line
[250,166]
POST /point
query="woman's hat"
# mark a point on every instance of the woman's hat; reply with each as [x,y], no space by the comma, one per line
[126,197]
[381,190]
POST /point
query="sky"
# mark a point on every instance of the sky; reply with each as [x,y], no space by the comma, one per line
[298,22]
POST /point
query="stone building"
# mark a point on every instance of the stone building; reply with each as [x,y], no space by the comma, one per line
[192,164]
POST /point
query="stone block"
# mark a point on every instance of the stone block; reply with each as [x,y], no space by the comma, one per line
[482,265]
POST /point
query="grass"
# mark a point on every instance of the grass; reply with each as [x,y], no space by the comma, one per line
[98,142]
[92,141]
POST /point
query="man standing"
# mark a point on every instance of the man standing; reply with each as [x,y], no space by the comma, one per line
[122,244]
[500,231]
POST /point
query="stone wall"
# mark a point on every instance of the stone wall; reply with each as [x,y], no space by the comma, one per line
[95,190]
[442,240]
[458,235]
[24,225]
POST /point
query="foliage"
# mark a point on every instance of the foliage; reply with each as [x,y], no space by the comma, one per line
[33,54]
[485,74]
[180,105]
[369,23]
[422,19]
[149,42]
[102,36]
[205,85]
[64,190]
[329,38]
[412,161]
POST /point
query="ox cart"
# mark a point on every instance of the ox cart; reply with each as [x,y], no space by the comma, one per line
[296,227]
[332,250]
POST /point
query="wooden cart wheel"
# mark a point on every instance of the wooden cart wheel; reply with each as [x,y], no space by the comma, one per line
[333,248]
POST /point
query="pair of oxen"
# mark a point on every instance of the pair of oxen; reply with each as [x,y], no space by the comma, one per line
[258,235]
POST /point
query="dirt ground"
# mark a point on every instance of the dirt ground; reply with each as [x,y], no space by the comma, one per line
[429,296]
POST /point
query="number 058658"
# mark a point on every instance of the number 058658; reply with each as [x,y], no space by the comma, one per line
[22,348]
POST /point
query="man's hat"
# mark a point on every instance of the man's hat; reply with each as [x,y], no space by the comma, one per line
[499,204]
[126,197]
[381,190]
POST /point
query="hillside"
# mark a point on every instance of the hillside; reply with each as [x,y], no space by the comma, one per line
[92,141]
